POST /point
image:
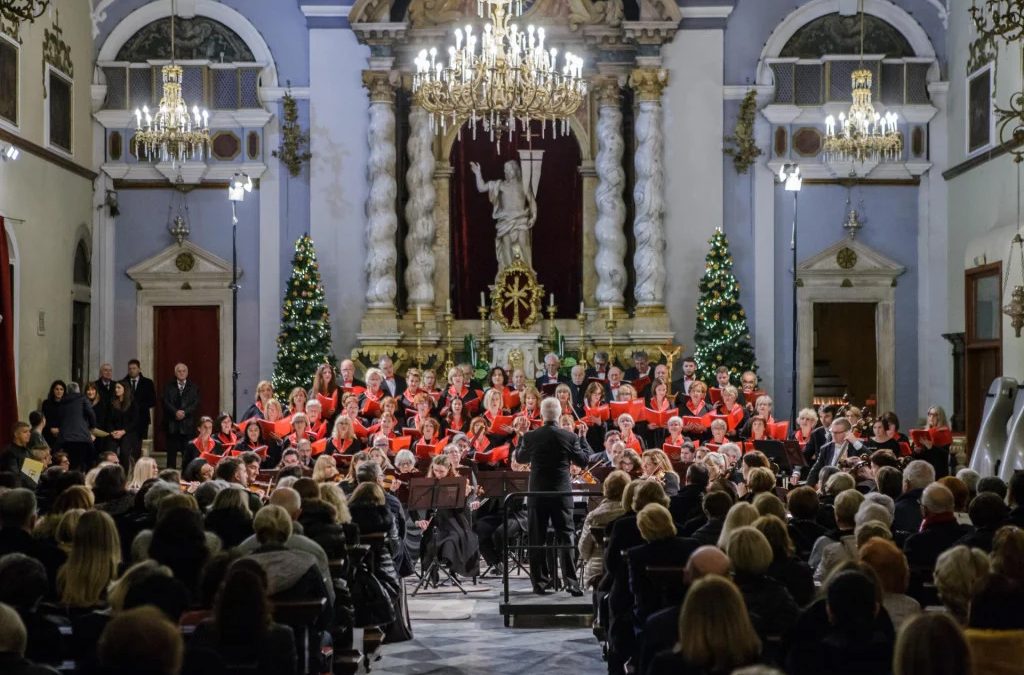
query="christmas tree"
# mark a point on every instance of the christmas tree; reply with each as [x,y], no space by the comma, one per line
[722,337]
[305,338]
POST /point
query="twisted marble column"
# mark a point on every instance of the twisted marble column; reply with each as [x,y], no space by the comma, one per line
[381,218]
[649,222]
[611,209]
[419,210]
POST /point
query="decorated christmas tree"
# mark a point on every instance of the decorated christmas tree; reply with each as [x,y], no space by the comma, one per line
[305,338]
[721,337]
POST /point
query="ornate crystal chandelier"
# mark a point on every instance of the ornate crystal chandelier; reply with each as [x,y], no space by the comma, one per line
[171,133]
[862,133]
[504,77]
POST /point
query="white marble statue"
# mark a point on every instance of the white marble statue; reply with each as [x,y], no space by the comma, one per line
[515,212]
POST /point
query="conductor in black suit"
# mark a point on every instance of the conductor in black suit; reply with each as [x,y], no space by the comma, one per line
[549,451]
[180,401]
[143,393]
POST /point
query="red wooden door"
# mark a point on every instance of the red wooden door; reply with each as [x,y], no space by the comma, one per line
[189,335]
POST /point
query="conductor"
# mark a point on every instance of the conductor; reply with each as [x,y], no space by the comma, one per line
[549,451]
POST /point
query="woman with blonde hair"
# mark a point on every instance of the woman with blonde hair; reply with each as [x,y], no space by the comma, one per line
[92,563]
[64,531]
[325,470]
[145,468]
[656,465]
[958,572]
[332,494]
[264,392]
[740,515]
[76,497]
[343,439]
[608,510]
[715,632]
[369,400]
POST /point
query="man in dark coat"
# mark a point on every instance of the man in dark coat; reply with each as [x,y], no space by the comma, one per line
[143,392]
[939,529]
[180,401]
[17,520]
[918,475]
[549,451]
[689,501]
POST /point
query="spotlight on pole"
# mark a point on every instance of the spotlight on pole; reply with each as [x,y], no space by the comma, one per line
[792,181]
[10,153]
[239,184]
[789,176]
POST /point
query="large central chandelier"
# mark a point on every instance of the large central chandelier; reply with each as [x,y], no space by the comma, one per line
[503,78]
[172,133]
[862,134]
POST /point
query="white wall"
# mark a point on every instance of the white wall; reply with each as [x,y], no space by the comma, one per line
[338,185]
[693,167]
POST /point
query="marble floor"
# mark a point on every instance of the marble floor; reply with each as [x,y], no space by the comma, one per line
[457,633]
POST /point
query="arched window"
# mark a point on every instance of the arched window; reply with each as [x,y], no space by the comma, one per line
[83,265]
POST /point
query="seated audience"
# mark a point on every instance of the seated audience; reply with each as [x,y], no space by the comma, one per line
[662,548]
[229,517]
[242,629]
[931,644]
[13,641]
[717,504]
[1008,553]
[939,529]
[840,544]
[918,475]
[93,562]
[988,513]
[995,627]
[17,519]
[958,572]
[772,609]
[141,641]
[23,585]
[715,633]
[740,515]
[591,550]
[804,527]
[786,568]
[890,566]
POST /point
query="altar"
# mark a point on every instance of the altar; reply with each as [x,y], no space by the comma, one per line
[499,247]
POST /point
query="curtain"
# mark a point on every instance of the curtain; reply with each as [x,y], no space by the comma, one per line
[557,235]
[8,392]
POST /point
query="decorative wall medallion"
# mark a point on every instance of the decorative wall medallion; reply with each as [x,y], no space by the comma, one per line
[225,145]
[781,142]
[807,141]
[116,146]
[846,258]
[185,262]
[196,38]
[252,145]
[516,298]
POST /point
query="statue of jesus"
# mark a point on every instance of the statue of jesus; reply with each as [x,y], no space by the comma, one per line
[515,212]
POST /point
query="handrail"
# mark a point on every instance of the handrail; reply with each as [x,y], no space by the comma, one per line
[504,526]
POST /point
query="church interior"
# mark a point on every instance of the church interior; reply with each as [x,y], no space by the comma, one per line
[451,336]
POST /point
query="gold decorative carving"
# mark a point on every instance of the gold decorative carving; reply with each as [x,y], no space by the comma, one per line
[380,84]
[648,83]
[185,262]
[517,297]
[56,52]
[846,258]
[607,91]
[368,355]
[429,13]
[370,11]
[10,28]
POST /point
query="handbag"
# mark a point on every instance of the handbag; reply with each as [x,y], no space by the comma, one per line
[373,606]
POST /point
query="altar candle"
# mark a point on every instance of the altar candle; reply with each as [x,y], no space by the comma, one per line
[551,300]
[611,314]
[448,306]
[483,299]
[419,313]
[581,307]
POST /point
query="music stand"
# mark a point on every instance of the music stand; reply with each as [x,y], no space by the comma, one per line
[776,452]
[497,484]
[431,494]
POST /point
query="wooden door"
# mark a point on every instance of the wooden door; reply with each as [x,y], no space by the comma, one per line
[844,350]
[983,341]
[189,335]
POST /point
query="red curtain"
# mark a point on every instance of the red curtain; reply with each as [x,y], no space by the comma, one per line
[189,335]
[8,393]
[557,235]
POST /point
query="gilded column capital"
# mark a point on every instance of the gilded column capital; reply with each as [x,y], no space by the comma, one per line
[607,91]
[380,84]
[648,83]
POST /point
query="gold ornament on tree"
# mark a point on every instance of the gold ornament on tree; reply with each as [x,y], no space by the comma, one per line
[294,150]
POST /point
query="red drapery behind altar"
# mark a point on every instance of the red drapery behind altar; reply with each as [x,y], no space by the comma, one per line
[8,393]
[557,235]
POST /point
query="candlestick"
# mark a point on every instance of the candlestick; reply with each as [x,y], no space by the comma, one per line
[449,350]
[418,325]
[610,323]
[582,319]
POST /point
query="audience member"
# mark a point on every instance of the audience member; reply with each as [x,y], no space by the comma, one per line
[931,644]
[957,574]
[939,529]
[17,520]
[918,475]
[1008,553]
[890,566]
[995,628]
[13,641]
[141,641]
[786,568]
[988,512]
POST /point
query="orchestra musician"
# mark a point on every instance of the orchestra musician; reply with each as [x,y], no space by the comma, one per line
[549,451]
[630,463]
[488,524]
[447,533]
[325,470]
[881,438]
[655,465]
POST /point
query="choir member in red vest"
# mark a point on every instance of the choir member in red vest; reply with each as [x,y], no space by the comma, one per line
[497,379]
[659,401]
[324,384]
[629,438]
[674,432]
[343,439]
[264,392]
[730,407]
[407,401]
[300,431]
[423,406]
[252,440]
[806,421]
[757,429]
[531,406]
[347,377]
[429,385]
[429,434]
[369,400]
[763,407]
[317,424]
[226,436]
[457,388]
[297,401]
[456,420]
[203,443]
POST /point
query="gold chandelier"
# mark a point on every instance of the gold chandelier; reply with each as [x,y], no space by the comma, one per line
[862,133]
[171,133]
[503,78]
